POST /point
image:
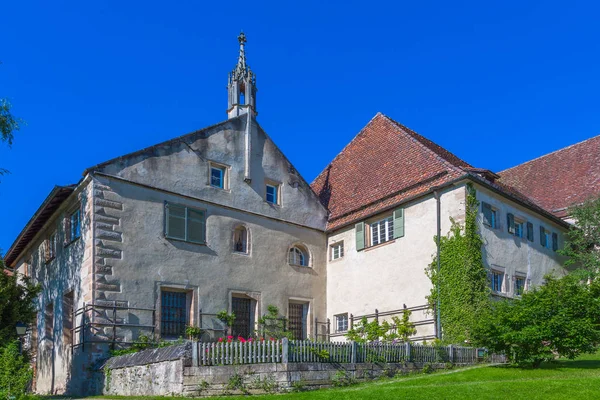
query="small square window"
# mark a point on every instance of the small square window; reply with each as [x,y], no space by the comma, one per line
[272,194]
[217,177]
[341,322]
[518,229]
[497,280]
[337,250]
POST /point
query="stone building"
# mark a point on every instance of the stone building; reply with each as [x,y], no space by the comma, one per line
[219,219]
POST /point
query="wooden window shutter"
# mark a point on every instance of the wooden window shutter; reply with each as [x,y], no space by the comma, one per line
[530,231]
[542,236]
[360,236]
[487,213]
[554,241]
[399,223]
[510,221]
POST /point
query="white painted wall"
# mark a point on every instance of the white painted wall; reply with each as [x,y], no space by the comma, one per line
[505,252]
[387,276]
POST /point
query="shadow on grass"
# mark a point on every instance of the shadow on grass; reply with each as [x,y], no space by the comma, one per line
[558,364]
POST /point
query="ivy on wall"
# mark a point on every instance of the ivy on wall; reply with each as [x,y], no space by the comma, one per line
[463,284]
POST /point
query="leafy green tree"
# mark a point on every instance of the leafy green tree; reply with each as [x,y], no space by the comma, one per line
[8,122]
[16,303]
[366,332]
[15,372]
[463,285]
[583,240]
[560,318]
[404,327]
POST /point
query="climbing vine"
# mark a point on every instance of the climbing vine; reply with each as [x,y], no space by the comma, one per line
[462,279]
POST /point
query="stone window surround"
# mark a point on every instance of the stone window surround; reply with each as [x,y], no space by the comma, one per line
[246,294]
[519,275]
[191,303]
[248,251]
[342,250]
[278,185]
[305,250]
[499,270]
[226,175]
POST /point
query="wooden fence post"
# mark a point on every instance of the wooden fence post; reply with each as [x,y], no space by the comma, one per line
[328,330]
[195,359]
[451,353]
[377,315]
[407,348]
[351,321]
[354,352]
[284,350]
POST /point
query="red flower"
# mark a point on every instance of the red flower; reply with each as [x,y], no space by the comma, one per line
[220,340]
[230,337]
[271,339]
[250,339]
[241,339]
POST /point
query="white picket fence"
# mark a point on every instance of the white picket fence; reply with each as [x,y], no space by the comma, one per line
[297,351]
[223,353]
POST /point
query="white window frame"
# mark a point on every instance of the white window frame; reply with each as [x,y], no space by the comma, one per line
[343,327]
[520,226]
[224,169]
[339,247]
[294,252]
[187,209]
[375,231]
[494,273]
[277,187]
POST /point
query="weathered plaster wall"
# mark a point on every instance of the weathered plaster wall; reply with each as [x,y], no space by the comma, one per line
[387,276]
[70,270]
[512,254]
[182,166]
[159,379]
[147,261]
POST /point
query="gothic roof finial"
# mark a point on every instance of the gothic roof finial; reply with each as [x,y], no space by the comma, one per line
[241,69]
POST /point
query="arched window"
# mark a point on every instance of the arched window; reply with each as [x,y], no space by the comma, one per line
[240,240]
[298,256]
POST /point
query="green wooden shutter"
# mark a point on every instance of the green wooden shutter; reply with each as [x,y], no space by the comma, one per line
[542,236]
[360,236]
[510,222]
[487,213]
[554,241]
[530,231]
[399,223]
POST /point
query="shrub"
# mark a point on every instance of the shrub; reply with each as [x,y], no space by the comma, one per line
[15,372]
[342,378]
[559,318]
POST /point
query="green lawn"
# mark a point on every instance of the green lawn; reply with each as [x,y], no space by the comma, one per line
[578,379]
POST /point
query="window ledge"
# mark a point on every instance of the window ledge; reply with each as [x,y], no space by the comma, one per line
[501,294]
[336,260]
[241,253]
[185,241]
[380,245]
[219,188]
[299,265]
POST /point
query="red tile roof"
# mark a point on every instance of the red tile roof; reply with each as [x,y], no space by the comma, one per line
[386,163]
[560,179]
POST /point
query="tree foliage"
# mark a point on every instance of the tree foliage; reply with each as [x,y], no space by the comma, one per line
[8,122]
[462,279]
[15,372]
[273,325]
[583,240]
[560,318]
[16,303]
[401,330]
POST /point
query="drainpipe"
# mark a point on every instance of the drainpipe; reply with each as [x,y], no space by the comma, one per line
[437,242]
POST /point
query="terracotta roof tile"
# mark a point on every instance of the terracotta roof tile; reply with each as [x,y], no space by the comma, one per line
[560,179]
[384,164]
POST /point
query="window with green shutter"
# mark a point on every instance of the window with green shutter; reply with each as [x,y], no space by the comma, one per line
[542,236]
[489,215]
[185,223]
[510,222]
[359,230]
[530,231]
[399,223]
[554,241]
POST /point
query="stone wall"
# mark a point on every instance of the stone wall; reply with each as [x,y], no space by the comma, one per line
[169,371]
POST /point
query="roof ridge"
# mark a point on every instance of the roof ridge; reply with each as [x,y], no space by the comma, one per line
[548,154]
[345,147]
[163,143]
[420,138]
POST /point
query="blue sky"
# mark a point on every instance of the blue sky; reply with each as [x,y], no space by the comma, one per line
[497,84]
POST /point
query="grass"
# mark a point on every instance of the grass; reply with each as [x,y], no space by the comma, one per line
[568,379]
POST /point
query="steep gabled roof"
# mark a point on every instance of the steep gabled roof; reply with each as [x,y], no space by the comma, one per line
[56,197]
[560,179]
[384,164]
[387,164]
